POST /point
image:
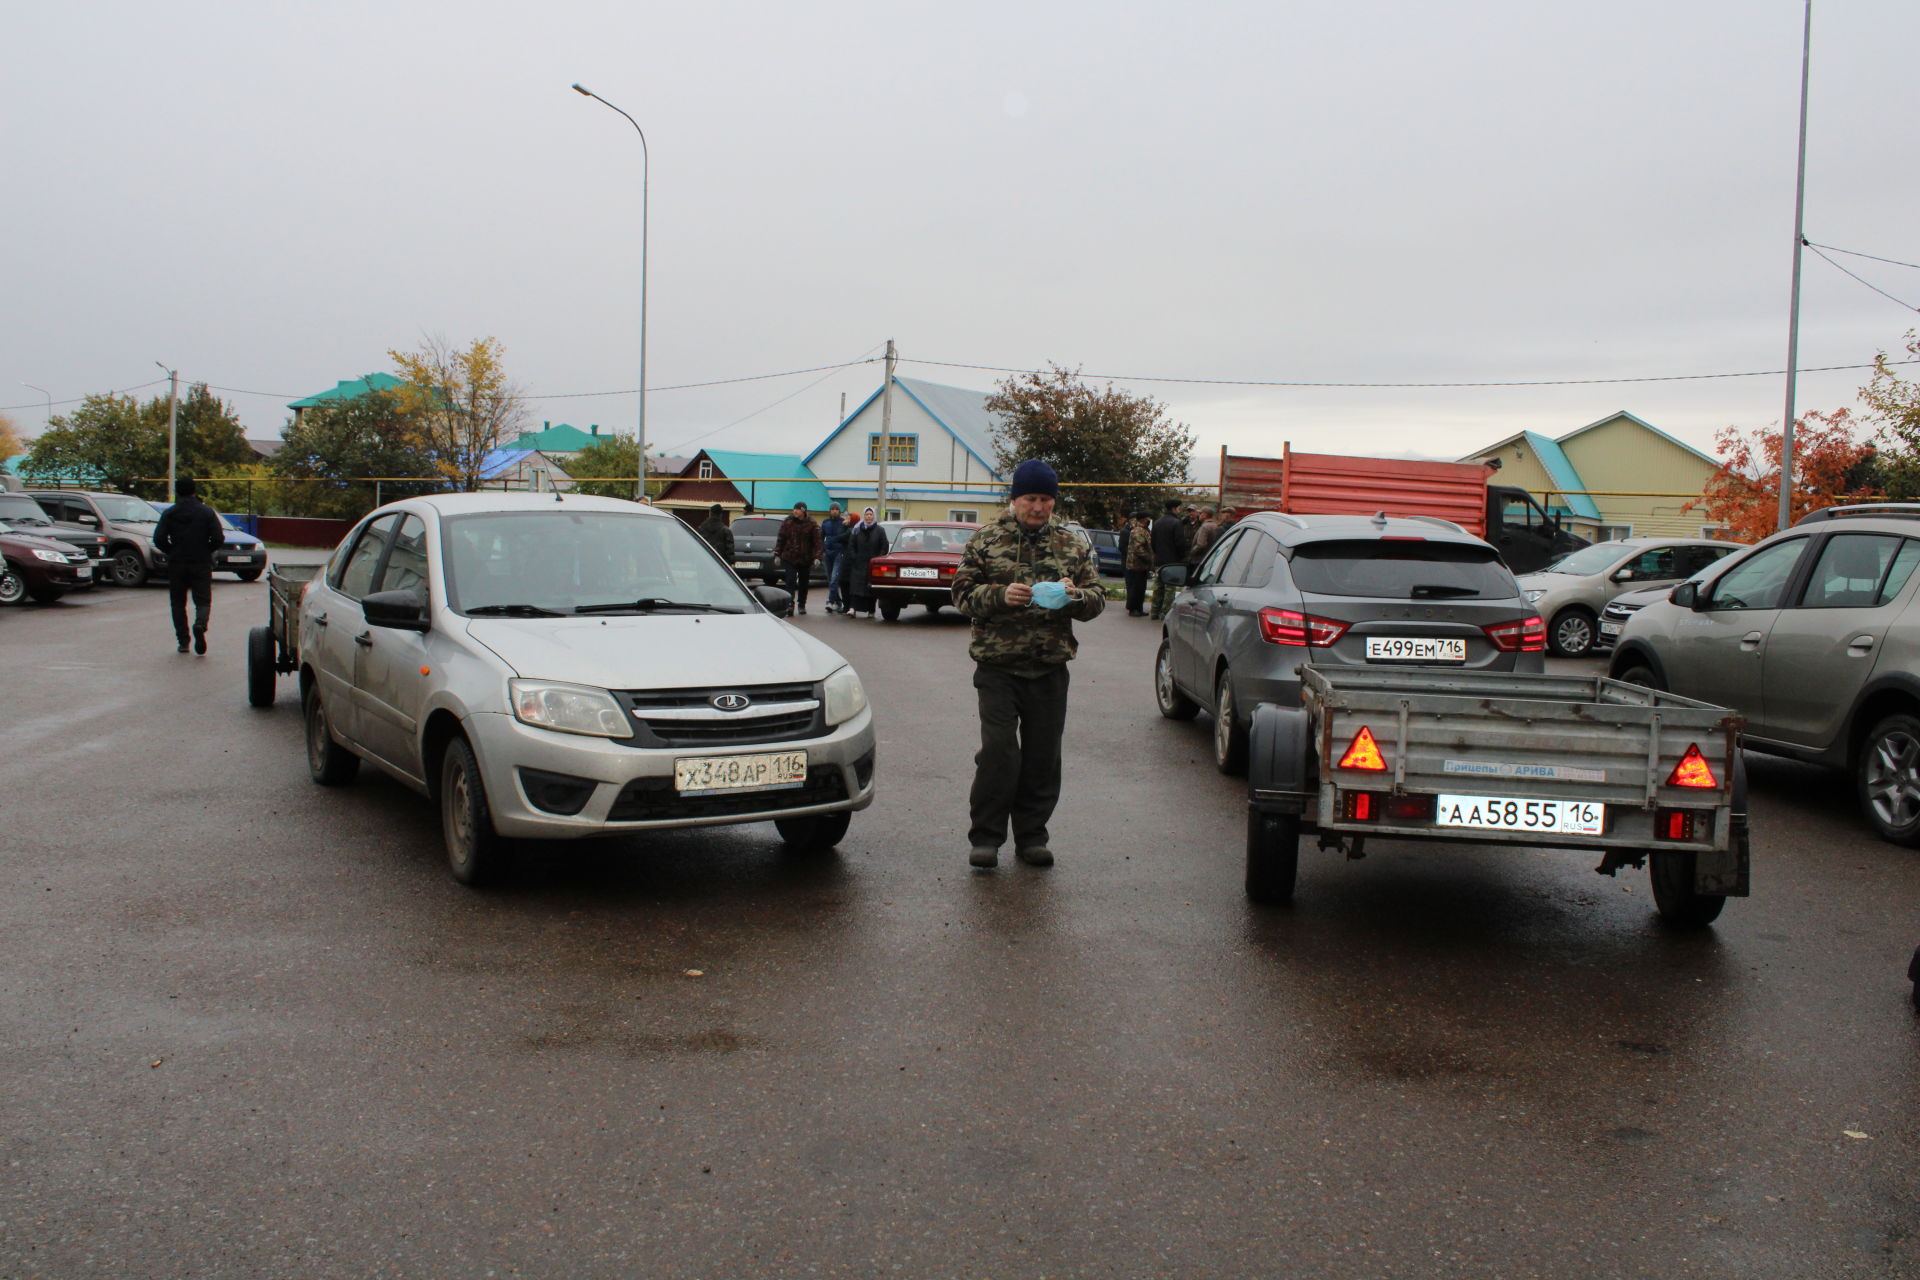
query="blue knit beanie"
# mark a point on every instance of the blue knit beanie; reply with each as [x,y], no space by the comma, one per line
[1034,476]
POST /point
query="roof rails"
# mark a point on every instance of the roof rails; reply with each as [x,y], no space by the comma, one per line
[1893,510]
[1444,524]
[1288,516]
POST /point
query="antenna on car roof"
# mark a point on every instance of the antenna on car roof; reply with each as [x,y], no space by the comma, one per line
[1379,519]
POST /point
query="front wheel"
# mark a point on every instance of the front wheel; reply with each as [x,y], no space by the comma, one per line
[128,569]
[815,833]
[1888,779]
[1174,705]
[13,589]
[248,575]
[1229,737]
[1674,897]
[1273,855]
[1641,674]
[1571,633]
[330,763]
[475,852]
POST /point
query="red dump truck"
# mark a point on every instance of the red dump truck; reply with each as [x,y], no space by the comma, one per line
[1525,534]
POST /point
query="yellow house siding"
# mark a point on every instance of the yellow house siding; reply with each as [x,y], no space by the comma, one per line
[1623,456]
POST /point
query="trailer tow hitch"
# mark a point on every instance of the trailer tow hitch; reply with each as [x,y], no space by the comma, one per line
[1614,859]
[1354,847]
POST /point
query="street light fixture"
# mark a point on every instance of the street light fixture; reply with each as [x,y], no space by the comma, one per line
[640,432]
[49,395]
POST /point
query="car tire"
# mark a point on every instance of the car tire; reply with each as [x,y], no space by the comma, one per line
[260,667]
[128,569]
[13,588]
[1572,632]
[1887,779]
[1229,736]
[1638,672]
[248,575]
[476,853]
[1174,705]
[1674,897]
[1273,855]
[890,610]
[329,763]
[815,833]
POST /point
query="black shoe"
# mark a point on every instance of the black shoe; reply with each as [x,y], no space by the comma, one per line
[983,857]
[1035,856]
[200,643]
[183,646]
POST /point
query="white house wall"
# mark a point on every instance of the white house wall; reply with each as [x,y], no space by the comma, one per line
[843,467]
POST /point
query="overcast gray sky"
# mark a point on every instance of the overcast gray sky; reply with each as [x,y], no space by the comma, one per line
[270,196]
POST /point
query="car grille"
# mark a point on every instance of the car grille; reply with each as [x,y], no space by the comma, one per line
[1617,611]
[654,799]
[687,717]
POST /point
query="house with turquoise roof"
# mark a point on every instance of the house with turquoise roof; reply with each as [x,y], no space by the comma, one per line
[742,482]
[351,389]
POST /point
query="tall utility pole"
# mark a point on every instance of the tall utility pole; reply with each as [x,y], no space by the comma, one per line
[1793,305]
[646,164]
[173,426]
[886,431]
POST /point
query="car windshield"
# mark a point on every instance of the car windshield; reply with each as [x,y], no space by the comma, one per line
[121,509]
[929,538]
[231,523]
[21,510]
[601,562]
[1402,570]
[1597,558]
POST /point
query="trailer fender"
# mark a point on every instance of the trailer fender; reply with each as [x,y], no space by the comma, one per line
[1280,759]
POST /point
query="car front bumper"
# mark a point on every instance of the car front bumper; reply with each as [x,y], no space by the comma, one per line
[632,788]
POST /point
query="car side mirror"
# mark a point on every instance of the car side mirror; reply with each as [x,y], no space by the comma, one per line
[87,517]
[778,602]
[1174,575]
[1687,596]
[404,610]
[1624,575]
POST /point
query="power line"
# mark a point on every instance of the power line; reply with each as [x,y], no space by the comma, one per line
[865,359]
[1862,279]
[42,404]
[1412,386]
[1854,253]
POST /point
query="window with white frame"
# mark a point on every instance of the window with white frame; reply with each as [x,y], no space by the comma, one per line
[706,468]
[1612,532]
[963,516]
[902,451]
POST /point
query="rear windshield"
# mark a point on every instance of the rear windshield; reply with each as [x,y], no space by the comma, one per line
[1402,571]
[754,525]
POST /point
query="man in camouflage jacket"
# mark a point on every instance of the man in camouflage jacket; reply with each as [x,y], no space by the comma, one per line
[1022,579]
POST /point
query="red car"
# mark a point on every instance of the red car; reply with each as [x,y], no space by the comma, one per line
[919,567]
[43,568]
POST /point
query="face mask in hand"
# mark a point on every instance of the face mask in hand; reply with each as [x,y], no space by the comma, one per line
[1050,595]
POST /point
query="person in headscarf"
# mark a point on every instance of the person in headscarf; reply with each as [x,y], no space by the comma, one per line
[866,541]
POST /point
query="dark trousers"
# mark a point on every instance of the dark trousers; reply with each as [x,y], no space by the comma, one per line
[1016,775]
[197,578]
[799,577]
[1137,590]
[833,559]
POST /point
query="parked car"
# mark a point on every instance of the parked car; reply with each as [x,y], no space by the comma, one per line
[1106,551]
[919,567]
[1571,592]
[42,569]
[124,520]
[244,555]
[1280,592]
[754,538]
[571,666]
[1813,635]
[1613,618]
[24,515]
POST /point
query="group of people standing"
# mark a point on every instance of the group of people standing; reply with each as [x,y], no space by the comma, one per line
[1177,537]
[847,547]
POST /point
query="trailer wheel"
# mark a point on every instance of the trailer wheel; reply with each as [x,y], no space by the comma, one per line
[1671,871]
[1273,855]
[260,671]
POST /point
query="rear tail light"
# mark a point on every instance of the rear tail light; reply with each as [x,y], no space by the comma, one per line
[1363,753]
[884,571]
[1681,824]
[1360,806]
[1288,626]
[1524,635]
[1693,770]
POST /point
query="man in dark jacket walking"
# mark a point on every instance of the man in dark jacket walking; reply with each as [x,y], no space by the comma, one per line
[1171,541]
[717,533]
[797,546]
[188,534]
[833,547]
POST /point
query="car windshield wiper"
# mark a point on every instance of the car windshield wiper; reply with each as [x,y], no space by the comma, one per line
[653,604]
[513,611]
[1428,590]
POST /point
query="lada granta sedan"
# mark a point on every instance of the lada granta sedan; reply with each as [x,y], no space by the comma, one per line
[570,666]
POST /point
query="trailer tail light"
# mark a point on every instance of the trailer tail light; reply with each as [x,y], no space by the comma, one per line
[1681,824]
[1372,806]
[1402,808]
[1290,627]
[1693,770]
[1523,635]
[1363,753]
[1360,806]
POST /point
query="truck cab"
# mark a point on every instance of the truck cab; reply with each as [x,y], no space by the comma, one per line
[1526,535]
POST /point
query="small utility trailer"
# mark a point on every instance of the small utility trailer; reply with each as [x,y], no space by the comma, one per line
[274,649]
[1488,758]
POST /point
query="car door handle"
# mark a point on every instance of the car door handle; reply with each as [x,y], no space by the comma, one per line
[364,639]
[1750,641]
[319,619]
[1860,645]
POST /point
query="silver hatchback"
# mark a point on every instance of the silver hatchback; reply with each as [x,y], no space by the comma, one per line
[1814,637]
[1573,591]
[1279,592]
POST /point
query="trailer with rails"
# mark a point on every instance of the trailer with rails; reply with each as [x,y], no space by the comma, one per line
[274,649]
[1636,775]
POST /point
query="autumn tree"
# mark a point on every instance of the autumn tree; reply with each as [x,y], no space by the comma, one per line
[1893,405]
[350,455]
[1091,437]
[118,441]
[461,403]
[9,438]
[1830,466]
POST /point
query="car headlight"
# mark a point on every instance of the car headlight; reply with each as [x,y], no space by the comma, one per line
[1533,594]
[846,696]
[569,708]
[54,556]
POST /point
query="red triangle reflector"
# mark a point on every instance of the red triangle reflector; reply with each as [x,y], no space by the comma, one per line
[1692,771]
[1364,753]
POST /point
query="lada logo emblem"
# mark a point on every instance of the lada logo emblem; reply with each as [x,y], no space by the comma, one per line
[731,701]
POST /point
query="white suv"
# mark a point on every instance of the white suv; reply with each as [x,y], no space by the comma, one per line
[564,666]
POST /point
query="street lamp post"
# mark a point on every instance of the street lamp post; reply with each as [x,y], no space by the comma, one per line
[640,432]
[49,395]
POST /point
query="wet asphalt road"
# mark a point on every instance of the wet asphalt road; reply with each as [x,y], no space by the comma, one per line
[250,1026]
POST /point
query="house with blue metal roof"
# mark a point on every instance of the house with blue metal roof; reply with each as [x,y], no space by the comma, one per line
[1617,477]
[941,461]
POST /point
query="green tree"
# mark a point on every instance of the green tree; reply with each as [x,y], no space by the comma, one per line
[121,444]
[598,469]
[1893,405]
[1091,437]
[460,402]
[350,455]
